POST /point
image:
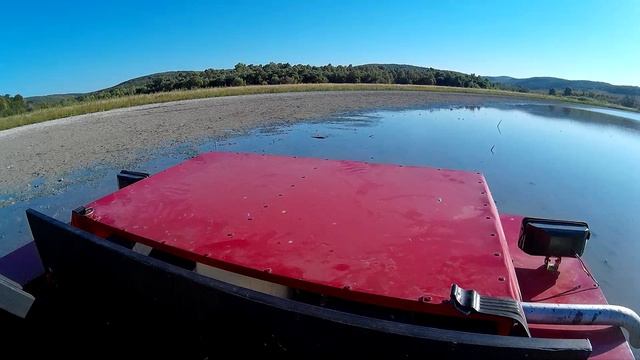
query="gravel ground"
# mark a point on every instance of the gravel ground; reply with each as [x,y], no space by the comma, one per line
[118,137]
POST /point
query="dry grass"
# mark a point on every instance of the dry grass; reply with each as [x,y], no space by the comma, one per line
[134,100]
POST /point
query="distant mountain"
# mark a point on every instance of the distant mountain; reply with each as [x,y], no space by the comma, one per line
[546,83]
[148,79]
[53,98]
[131,83]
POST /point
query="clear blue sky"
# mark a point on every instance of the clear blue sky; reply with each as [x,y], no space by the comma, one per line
[66,46]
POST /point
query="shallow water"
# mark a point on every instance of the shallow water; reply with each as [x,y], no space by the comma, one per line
[540,160]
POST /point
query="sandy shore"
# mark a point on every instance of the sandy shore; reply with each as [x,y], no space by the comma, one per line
[118,137]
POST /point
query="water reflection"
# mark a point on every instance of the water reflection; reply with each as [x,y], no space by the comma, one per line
[585,115]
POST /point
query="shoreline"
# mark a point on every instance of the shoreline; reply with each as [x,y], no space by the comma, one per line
[118,137]
[95,106]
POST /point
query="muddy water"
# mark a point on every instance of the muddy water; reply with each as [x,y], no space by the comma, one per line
[540,160]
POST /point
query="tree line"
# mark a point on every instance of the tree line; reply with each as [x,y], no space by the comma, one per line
[627,100]
[284,73]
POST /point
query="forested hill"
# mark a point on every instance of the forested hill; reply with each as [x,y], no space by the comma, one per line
[269,74]
[275,74]
[284,73]
[546,83]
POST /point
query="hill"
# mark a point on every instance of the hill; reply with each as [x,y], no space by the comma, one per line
[286,74]
[53,98]
[275,74]
[546,83]
[147,79]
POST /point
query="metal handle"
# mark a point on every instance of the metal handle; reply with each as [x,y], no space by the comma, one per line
[578,314]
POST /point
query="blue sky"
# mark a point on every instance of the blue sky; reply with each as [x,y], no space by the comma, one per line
[58,46]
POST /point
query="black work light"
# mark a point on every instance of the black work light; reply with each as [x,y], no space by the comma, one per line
[553,238]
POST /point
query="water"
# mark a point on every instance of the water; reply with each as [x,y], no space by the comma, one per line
[540,160]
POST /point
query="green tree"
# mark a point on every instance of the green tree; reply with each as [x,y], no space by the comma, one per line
[237,81]
[628,101]
[13,105]
[4,105]
[567,92]
[552,92]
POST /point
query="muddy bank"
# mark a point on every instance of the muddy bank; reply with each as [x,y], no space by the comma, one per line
[119,137]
